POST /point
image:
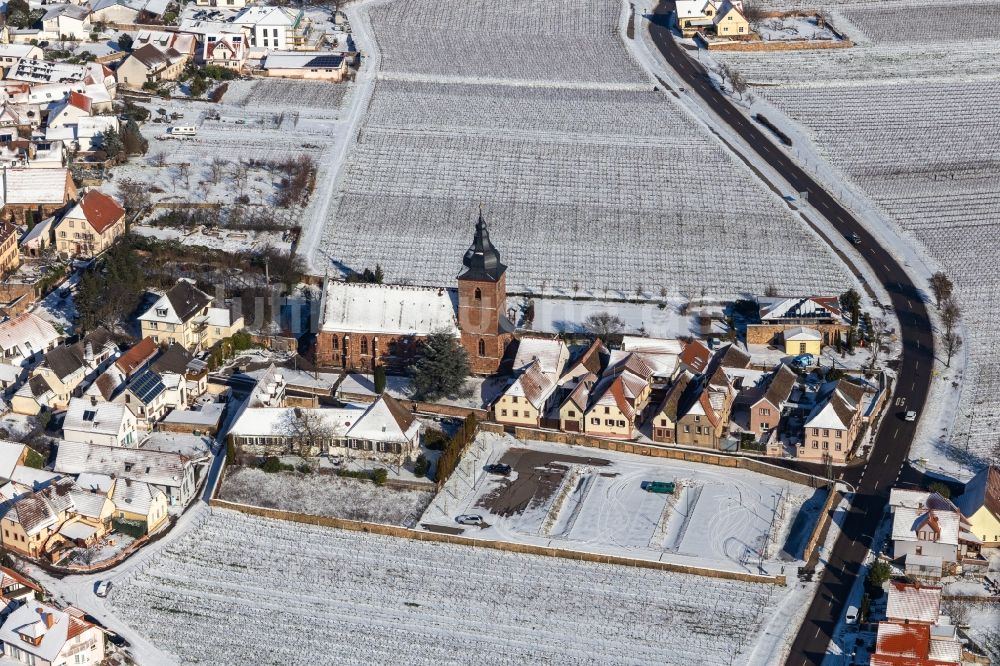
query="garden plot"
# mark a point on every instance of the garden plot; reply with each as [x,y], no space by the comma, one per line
[325,495]
[314,97]
[564,175]
[938,23]
[352,597]
[581,499]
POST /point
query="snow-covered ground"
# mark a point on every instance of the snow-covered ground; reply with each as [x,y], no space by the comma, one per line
[587,175]
[792,28]
[325,495]
[227,240]
[590,500]
[241,589]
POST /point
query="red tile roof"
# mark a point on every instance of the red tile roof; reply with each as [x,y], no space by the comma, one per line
[80,101]
[101,210]
[696,356]
[915,603]
[900,644]
[137,356]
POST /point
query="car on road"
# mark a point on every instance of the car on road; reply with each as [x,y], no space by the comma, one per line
[852,615]
[103,587]
[856,239]
[498,468]
[910,416]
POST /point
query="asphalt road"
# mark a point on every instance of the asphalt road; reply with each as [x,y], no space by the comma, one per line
[892,443]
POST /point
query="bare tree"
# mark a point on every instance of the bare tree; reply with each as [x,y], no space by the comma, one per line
[753,11]
[740,85]
[604,324]
[952,343]
[942,288]
[184,173]
[135,195]
[958,610]
[158,159]
[877,335]
[308,432]
[951,314]
[217,169]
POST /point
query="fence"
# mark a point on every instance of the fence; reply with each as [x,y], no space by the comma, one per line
[529,549]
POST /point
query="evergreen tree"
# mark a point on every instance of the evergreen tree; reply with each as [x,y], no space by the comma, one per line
[379,379]
[442,369]
[125,42]
[134,143]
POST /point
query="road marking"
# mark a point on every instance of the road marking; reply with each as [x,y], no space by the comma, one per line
[912,385]
[817,633]
[886,459]
[909,303]
[896,432]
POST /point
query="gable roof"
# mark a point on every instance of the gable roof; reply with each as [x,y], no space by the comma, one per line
[55,628]
[161,468]
[533,385]
[580,395]
[695,356]
[137,356]
[913,603]
[100,210]
[24,186]
[780,385]
[27,330]
[174,358]
[731,356]
[837,403]
[10,457]
[389,309]
[798,308]
[181,302]
[550,352]
[146,386]
[134,496]
[93,416]
[385,420]
[982,490]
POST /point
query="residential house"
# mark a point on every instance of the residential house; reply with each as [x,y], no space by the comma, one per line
[527,399]
[834,423]
[11,54]
[980,504]
[149,396]
[694,358]
[176,360]
[572,411]
[803,340]
[184,315]
[65,369]
[695,15]
[126,11]
[203,420]
[275,28]
[227,4]
[12,455]
[86,134]
[24,339]
[181,42]
[225,50]
[67,22]
[322,66]
[592,361]
[780,314]
[927,525]
[31,195]
[619,397]
[40,634]
[140,502]
[137,357]
[914,632]
[383,430]
[91,226]
[149,64]
[768,403]
[20,119]
[68,112]
[661,354]
[695,410]
[172,473]
[39,238]
[15,591]
[60,516]
[730,21]
[95,422]
[10,252]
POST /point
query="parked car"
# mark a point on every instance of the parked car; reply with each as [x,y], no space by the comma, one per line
[804,360]
[663,487]
[910,416]
[469,519]
[852,615]
[103,587]
[117,640]
[498,468]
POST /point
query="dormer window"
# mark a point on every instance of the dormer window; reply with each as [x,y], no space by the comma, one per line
[161,312]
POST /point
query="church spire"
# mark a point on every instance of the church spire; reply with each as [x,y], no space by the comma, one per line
[482,260]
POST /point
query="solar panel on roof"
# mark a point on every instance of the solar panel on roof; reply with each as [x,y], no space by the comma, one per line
[325,61]
[147,386]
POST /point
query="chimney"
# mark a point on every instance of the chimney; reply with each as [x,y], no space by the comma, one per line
[93,401]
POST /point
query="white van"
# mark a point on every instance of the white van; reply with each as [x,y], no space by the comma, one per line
[852,615]
[182,130]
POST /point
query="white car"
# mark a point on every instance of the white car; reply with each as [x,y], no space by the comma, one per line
[469,519]
[911,416]
[852,615]
[103,588]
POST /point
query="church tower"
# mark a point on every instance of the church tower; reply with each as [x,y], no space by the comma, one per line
[482,303]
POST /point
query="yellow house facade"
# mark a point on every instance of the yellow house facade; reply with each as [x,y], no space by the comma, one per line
[90,227]
[980,504]
[525,401]
[139,502]
[730,22]
[10,254]
[184,316]
[803,340]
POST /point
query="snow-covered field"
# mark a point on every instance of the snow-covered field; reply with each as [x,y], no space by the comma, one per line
[584,499]
[586,175]
[325,495]
[241,589]
[227,240]
[909,117]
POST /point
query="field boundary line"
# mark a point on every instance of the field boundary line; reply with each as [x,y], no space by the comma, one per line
[527,549]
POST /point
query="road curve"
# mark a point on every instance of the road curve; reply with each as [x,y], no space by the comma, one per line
[892,443]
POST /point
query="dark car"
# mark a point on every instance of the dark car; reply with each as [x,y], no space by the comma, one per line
[117,640]
[856,239]
[498,468]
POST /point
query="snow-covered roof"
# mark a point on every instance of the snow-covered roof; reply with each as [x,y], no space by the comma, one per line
[307,60]
[385,421]
[280,421]
[27,331]
[20,50]
[982,490]
[551,354]
[10,457]
[915,509]
[29,477]
[35,186]
[39,232]
[387,309]
[157,467]
[802,334]
[134,496]
[35,619]
[77,530]
[179,305]
[75,12]
[208,415]
[836,405]
[92,482]
[776,308]
[533,385]
[692,8]
[94,417]
[268,16]
[916,603]
[634,343]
